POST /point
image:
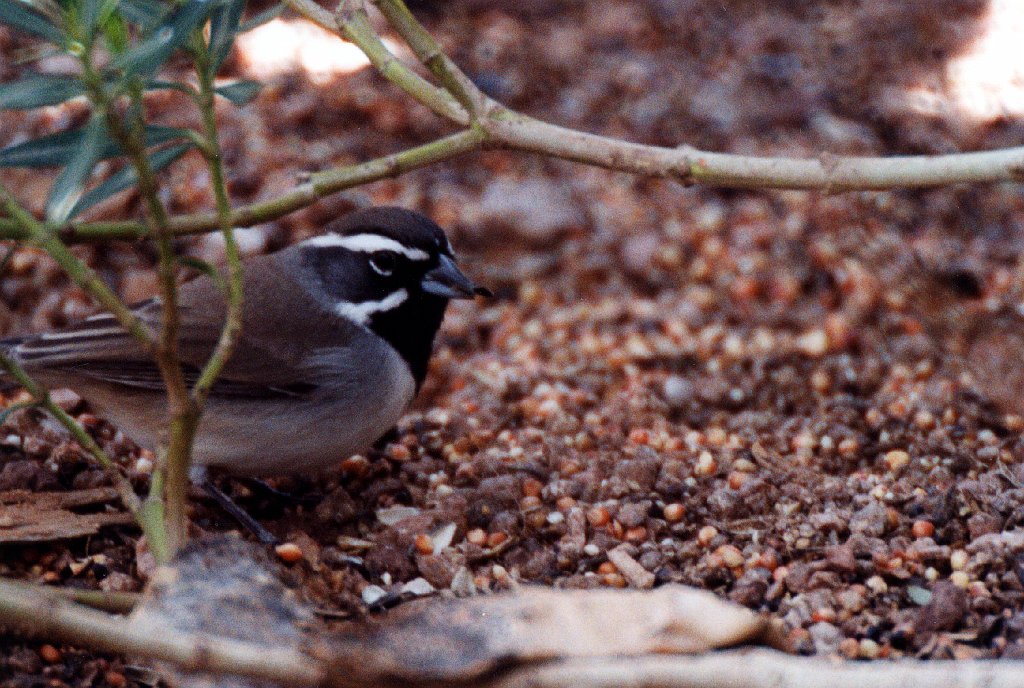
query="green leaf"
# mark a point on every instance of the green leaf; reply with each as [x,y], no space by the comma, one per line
[18,16]
[91,11]
[205,268]
[115,31]
[239,92]
[70,182]
[172,33]
[144,13]
[21,405]
[157,85]
[262,18]
[223,27]
[58,149]
[126,177]
[37,90]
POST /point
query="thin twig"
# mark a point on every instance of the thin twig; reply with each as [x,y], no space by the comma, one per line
[42,399]
[34,231]
[55,619]
[434,58]
[320,185]
[352,20]
[111,602]
[760,669]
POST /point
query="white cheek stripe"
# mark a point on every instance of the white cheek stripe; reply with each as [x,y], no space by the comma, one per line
[368,243]
[362,312]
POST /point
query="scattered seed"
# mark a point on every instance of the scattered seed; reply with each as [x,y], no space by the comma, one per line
[288,552]
[674,512]
[50,654]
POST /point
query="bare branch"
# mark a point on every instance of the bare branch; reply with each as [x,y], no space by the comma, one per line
[320,185]
[514,131]
[352,20]
[430,54]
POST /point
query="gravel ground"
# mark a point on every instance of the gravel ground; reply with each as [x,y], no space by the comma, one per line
[805,403]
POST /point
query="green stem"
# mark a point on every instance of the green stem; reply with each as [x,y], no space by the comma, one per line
[353,21]
[41,396]
[153,519]
[130,136]
[321,185]
[84,276]
[235,293]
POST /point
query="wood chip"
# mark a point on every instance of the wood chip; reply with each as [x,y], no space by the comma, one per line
[44,516]
[635,574]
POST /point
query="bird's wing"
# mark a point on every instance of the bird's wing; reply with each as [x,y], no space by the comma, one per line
[100,348]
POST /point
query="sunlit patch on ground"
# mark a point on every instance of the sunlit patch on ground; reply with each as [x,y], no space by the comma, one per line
[286,45]
[986,82]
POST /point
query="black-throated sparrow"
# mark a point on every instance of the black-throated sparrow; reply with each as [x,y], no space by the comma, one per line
[337,332]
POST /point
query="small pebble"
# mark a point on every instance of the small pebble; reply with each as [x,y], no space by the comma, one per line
[424,544]
[706,534]
[372,594]
[868,649]
[922,529]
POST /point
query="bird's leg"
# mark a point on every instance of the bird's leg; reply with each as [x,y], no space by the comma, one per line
[264,488]
[201,478]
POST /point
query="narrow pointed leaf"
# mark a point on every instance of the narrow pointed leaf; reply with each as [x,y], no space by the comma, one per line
[18,16]
[239,92]
[58,149]
[262,18]
[37,90]
[71,181]
[125,178]
[158,84]
[205,268]
[223,27]
[150,54]
[144,13]
[91,10]
[13,408]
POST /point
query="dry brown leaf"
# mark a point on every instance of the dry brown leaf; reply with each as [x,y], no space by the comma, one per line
[223,587]
[459,640]
[39,517]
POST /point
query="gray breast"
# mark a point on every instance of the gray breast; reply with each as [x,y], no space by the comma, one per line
[361,390]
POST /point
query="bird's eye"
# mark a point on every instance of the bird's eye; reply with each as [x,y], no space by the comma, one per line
[383,263]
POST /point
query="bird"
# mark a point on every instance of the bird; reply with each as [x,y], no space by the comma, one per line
[337,333]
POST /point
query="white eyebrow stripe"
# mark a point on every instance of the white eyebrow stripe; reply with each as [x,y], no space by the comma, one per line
[368,243]
[81,334]
[362,312]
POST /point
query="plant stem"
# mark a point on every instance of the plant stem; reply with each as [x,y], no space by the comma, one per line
[235,293]
[354,23]
[34,231]
[181,410]
[433,58]
[320,185]
[41,396]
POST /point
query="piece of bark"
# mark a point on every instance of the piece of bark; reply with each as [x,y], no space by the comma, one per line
[44,516]
[464,640]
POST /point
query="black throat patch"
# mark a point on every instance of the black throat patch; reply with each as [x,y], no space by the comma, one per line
[410,329]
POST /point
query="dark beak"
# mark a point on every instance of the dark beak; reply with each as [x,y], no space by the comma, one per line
[447,281]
